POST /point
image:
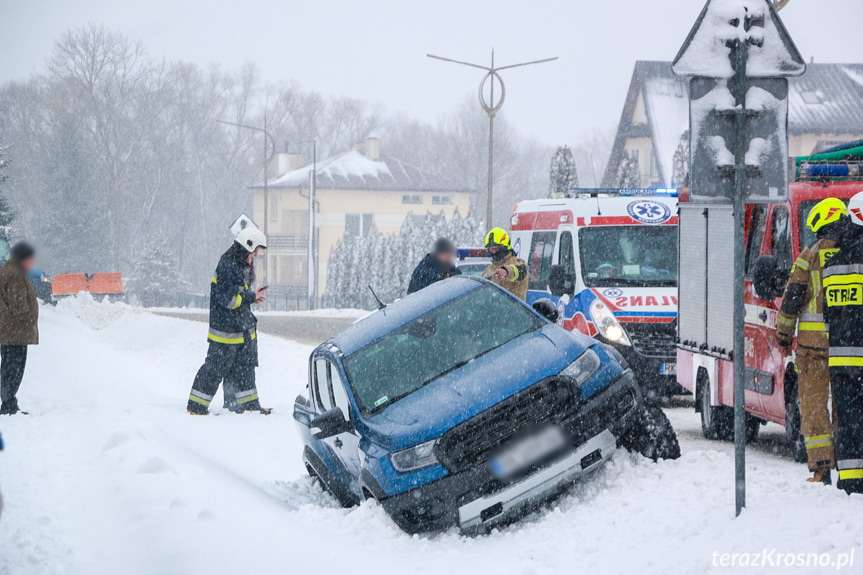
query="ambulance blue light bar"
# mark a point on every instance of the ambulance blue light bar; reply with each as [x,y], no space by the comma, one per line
[462,253]
[622,192]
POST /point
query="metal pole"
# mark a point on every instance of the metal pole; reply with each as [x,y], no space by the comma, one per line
[311,266]
[266,206]
[740,56]
[491,108]
[267,159]
[491,113]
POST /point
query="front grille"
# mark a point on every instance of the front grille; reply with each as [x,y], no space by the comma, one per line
[653,339]
[470,443]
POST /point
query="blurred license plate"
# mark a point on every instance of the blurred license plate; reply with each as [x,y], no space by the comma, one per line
[668,369]
[528,450]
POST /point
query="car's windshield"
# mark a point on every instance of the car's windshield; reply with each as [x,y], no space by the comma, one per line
[434,344]
[619,256]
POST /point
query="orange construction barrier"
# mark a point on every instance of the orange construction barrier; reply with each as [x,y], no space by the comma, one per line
[96,284]
[104,284]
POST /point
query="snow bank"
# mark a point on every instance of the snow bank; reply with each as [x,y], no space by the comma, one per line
[110,475]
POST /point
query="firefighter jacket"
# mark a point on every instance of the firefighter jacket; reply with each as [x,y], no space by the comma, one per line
[803,301]
[843,311]
[231,299]
[516,280]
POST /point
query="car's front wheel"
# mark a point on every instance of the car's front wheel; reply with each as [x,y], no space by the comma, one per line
[652,435]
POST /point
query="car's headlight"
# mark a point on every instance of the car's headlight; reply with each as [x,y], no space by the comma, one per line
[416,457]
[607,324]
[582,368]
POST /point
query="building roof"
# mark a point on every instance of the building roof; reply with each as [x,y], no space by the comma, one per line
[354,170]
[827,99]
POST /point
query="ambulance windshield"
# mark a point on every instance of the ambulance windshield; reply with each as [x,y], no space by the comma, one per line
[617,256]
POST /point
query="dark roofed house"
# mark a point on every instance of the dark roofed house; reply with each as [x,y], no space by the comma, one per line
[825,108]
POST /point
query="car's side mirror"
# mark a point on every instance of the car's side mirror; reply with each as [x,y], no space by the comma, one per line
[768,278]
[330,423]
[561,282]
[547,309]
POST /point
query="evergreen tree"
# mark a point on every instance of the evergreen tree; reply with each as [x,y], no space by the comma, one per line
[563,174]
[7,214]
[629,173]
[156,279]
[680,177]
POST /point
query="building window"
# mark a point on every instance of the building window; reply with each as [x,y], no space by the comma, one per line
[442,200]
[412,199]
[359,225]
[274,208]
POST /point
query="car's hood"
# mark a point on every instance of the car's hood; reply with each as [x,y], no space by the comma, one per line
[430,411]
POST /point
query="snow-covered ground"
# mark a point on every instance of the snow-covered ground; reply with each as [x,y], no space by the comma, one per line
[109,475]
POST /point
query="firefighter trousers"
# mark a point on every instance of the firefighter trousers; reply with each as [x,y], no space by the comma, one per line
[813,388]
[235,365]
[848,390]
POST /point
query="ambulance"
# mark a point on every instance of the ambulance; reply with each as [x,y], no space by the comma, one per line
[608,259]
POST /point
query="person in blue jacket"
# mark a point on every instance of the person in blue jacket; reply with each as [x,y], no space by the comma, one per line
[233,353]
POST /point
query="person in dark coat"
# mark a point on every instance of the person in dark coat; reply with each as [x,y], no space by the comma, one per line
[436,266]
[233,353]
[19,317]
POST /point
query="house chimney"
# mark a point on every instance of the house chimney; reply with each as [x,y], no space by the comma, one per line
[371,147]
[288,163]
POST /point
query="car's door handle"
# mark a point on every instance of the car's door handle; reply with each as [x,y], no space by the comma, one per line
[338,443]
[763,316]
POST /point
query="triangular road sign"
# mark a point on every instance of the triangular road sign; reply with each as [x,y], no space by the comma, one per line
[706,51]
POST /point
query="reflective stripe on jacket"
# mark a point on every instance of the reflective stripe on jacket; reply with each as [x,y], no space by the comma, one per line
[231,298]
[843,312]
[516,279]
[802,308]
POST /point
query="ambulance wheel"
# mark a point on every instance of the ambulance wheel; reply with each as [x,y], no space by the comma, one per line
[717,422]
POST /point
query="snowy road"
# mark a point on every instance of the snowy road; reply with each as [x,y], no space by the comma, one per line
[110,476]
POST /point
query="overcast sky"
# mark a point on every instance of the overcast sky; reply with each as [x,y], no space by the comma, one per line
[375,49]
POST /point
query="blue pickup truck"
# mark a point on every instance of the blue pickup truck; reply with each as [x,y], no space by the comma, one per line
[460,405]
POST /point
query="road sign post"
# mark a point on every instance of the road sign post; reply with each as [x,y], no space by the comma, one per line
[739,55]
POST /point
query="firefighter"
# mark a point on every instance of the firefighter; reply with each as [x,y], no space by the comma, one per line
[802,308]
[233,352]
[843,315]
[505,269]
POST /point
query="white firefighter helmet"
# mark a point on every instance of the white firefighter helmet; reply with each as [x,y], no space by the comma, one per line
[251,239]
[855,209]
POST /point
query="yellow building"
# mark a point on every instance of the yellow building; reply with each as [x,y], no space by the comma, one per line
[825,108]
[358,191]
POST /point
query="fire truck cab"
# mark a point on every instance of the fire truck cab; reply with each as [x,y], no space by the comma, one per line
[608,259]
[778,230]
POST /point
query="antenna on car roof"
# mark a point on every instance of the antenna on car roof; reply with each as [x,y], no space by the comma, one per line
[381,305]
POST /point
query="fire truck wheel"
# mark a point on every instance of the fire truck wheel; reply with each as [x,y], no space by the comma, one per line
[753,426]
[652,436]
[717,422]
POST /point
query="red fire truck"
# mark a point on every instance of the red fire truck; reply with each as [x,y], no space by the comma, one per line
[704,359]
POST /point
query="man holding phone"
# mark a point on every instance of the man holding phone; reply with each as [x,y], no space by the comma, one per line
[233,353]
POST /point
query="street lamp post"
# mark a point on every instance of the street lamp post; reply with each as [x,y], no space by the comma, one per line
[267,159]
[491,108]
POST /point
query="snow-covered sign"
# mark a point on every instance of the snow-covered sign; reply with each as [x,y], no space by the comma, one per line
[707,50]
[242,223]
[721,94]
